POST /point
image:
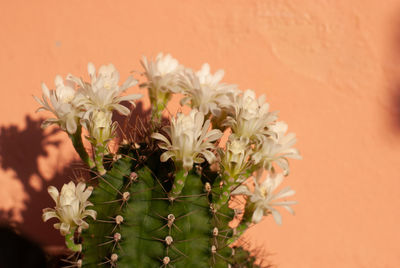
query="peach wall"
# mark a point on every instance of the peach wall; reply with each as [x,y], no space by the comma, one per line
[331,68]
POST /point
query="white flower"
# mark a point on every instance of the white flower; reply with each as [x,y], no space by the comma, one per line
[63,104]
[103,93]
[204,91]
[189,138]
[100,126]
[251,117]
[108,76]
[264,199]
[70,207]
[162,74]
[237,157]
[277,148]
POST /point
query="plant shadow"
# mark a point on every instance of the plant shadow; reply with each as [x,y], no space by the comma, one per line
[20,150]
[393,76]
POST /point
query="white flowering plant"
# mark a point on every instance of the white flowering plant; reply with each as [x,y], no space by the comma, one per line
[162,197]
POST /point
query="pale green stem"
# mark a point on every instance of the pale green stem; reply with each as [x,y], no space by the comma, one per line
[239,231]
[245,222]
[159,101]
[99,151]
[179,183]
[229,185]
[156,113]
[76,139]
[69,241]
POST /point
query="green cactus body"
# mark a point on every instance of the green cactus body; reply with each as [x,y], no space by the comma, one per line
[157,229]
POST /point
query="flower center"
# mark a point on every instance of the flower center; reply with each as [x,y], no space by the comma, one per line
[69,196]
[263,191]
[237,147]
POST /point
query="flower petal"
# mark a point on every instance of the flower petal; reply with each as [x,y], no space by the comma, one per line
[121,109]
[130,82]
[84,225]
[166,155]
[160,137]
[64,228]
[288,208]
[285,192]
[277,216]
[92,71]
[131,97]
[209,156]
[53,192]
[257,215]
[45,90]
[213,135]
[49,213]
[90,212]
[85,195]
[80,187]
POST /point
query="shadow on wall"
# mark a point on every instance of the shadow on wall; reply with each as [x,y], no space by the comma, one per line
[131,125]
[394,79]
[20,150]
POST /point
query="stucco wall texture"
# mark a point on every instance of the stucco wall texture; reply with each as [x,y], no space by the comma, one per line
[331,68]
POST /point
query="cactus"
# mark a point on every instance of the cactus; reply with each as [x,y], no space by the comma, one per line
[156,229]
[162,199]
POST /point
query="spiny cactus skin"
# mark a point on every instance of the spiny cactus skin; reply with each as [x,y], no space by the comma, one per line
[157,230]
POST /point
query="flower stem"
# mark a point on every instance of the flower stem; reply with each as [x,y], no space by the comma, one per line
[76,139]
[179,183]
[245,222]
[156,114]
[99,151]
[239,230]
[159,101]
[69,241]
[229,185]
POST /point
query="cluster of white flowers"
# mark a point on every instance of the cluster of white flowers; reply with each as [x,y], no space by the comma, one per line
[264,144]
[188,138]
[76,102]
[257,141]
[70,207]
[202,90]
